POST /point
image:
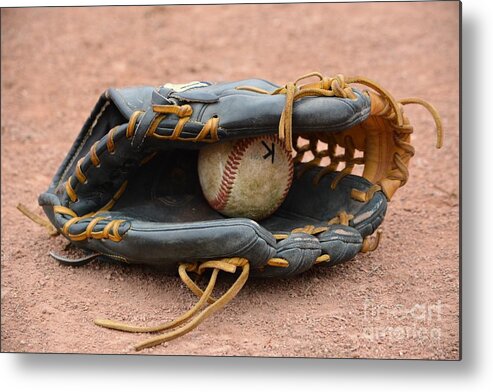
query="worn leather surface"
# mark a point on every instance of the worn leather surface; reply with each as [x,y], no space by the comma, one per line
[167,219]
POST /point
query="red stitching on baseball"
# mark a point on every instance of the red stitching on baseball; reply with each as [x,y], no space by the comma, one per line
[290,176]
[230,172]
[290,172]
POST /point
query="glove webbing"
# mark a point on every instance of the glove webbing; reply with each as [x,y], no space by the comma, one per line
[339,87]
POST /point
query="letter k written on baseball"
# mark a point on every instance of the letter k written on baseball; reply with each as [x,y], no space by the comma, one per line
[270,151]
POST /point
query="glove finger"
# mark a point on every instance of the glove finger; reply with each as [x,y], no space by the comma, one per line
[341,243]
[300,250]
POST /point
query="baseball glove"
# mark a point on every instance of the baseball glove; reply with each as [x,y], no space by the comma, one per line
[128,189]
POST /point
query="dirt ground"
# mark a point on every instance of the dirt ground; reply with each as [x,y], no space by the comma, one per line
[401,301]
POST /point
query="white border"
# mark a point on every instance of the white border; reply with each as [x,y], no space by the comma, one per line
[473,373]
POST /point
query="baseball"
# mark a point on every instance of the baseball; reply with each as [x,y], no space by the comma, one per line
[247,178]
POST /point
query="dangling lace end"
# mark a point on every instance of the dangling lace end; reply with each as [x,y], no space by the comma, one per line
[38,219]
[208,311]
[182,272]
[192,318]
[371,243]
[434,113]
[161,327]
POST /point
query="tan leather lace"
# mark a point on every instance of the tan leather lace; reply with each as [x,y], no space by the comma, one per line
[110,230]
[391,114]
[327,87]
[38,219]
[339,86]
[193,317]
[208,132]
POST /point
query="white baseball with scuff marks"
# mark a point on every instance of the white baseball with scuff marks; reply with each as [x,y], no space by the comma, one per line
[247,178]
